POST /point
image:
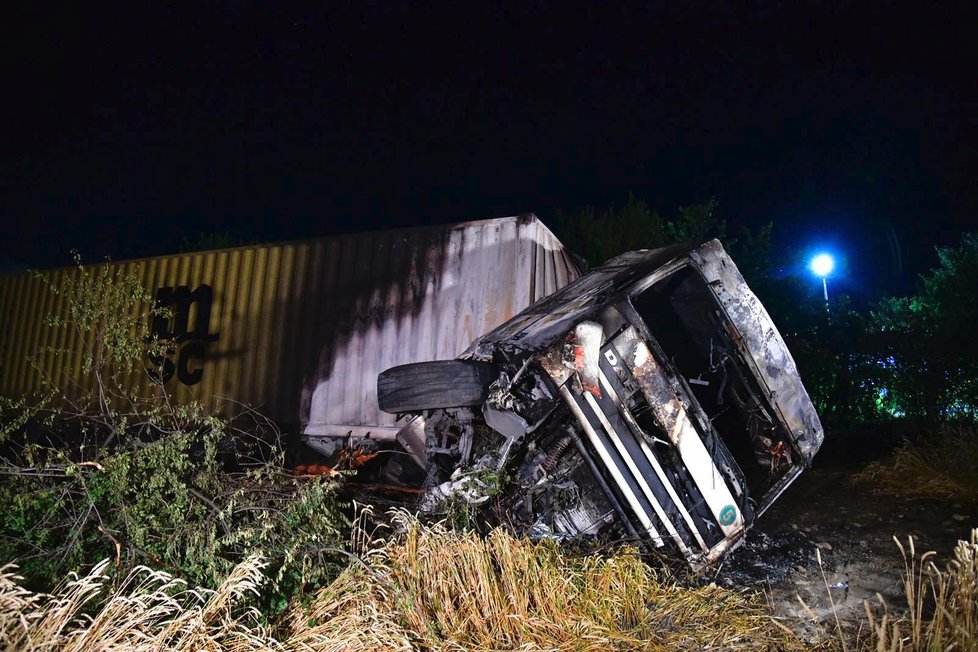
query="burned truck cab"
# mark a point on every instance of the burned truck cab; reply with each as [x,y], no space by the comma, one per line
[651,400]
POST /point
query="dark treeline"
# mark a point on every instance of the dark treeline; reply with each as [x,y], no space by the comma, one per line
[912,358]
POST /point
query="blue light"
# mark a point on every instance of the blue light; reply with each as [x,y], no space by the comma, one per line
[822,265]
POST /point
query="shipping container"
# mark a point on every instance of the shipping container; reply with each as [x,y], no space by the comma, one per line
[300,330]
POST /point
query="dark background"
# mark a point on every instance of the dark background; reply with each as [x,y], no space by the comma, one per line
[127,131]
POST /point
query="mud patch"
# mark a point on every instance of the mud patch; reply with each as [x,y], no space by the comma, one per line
[825,515]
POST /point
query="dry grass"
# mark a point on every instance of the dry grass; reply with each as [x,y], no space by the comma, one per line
[434,589]
[149,611]
[942,466]
[949,596]
[444,590]
[428,588]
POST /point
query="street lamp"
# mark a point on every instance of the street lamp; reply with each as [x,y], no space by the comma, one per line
[822,265]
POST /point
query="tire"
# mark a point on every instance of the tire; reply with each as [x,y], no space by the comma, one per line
[437,384]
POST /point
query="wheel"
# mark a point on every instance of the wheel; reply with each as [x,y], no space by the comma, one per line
[437,384]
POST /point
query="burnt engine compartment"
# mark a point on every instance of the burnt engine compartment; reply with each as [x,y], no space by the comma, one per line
[542,481]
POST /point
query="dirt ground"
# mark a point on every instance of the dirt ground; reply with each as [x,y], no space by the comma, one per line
[853,530]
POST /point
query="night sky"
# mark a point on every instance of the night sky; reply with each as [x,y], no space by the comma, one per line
[129,130]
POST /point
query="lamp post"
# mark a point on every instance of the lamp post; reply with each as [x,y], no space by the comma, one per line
[822,265]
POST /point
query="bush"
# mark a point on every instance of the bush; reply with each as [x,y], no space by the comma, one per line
[924,349]
[160,505]
[140,479]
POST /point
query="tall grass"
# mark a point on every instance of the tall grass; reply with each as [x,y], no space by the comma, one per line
[941,465]
[942,605]
[447,590]
[149,611]
[426,589]
[433,589]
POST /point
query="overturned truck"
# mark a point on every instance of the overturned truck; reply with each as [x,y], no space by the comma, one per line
[652,399]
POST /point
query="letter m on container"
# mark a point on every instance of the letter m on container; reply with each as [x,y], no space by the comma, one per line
[183,319]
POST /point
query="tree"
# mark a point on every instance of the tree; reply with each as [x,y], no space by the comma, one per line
[924,346]
[600,236]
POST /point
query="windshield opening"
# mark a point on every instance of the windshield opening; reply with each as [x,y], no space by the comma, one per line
[690,327]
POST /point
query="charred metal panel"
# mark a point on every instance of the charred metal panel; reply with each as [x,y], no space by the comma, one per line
[773,362]
[672,416]
[301,329]
[475,277]
[550,319]
[641,447]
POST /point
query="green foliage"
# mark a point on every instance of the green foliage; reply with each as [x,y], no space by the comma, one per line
[909,357]
[923,348]
[168,505]
[828,344]
[17,413]
[108,313]
[696,223]
[753,251]
[111,310]
[601,236]
[906,357]
[142,479]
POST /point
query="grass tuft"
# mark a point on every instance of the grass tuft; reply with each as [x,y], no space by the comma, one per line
[150,610]
[427,588]
[942,605]
[439,589]
[941,465]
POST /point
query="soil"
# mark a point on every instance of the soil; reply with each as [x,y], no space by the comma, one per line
[825,514]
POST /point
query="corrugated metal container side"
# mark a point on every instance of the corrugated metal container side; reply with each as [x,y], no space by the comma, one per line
[441,295]
[300,330]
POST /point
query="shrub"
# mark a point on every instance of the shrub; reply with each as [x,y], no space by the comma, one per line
[140,479]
